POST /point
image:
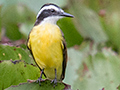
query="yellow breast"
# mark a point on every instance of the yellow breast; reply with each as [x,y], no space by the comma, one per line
[46,45]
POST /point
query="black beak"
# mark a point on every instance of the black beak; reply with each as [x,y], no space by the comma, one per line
[66,15]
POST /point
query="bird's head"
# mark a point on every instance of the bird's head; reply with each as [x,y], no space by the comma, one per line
[50,13]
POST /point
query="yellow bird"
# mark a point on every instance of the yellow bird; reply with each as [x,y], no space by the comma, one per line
[47,44]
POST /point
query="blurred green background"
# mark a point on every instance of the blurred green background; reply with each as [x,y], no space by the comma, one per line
[92,36]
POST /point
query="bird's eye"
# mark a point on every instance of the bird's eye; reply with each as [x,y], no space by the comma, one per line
[52,10]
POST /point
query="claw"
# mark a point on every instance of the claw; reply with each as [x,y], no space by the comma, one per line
[40,79]
[54,81]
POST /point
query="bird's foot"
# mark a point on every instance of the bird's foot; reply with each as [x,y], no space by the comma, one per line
[54,81]
[39,81]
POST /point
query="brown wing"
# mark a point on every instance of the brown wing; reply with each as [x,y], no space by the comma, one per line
[64,60]
[64,57]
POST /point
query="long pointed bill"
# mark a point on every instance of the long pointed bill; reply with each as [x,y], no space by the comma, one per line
[67,15]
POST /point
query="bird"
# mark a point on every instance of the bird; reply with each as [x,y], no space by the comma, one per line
[46,43]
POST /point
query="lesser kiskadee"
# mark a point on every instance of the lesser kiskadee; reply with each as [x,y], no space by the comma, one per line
[47,44]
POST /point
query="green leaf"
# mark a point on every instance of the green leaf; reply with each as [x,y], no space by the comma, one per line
[118,87]
[87,23]
[74,61]
[0,23]
[14,53]
[45,85]
[93,71]
[72,36]
[111,24]
[13,73]
[12,32]
[12,21]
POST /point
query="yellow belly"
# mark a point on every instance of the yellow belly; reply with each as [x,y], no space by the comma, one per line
[46,45]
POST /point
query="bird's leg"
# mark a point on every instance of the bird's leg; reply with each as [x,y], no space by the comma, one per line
[55,79]
[40,79]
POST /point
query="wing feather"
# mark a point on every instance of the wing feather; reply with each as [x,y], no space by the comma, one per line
[64,57]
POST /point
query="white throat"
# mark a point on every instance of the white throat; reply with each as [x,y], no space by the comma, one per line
[51,19]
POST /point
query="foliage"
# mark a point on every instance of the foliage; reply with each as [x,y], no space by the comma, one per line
[7,53]
[92,38]
[83,18]
[94,72]
[15,72]
[46,85]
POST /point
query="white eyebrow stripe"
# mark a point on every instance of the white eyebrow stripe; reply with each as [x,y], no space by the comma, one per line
[47,7]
